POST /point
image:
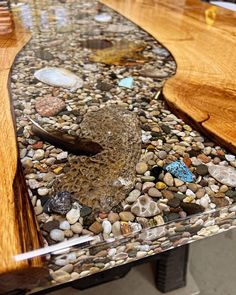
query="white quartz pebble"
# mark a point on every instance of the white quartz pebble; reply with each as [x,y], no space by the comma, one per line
[38,155]
[64,225]
[43,191]
[112,252]
[57,235]
[106,225]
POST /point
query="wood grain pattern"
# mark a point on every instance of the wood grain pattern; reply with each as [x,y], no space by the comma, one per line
[6,23]
[202,39]
[18,227]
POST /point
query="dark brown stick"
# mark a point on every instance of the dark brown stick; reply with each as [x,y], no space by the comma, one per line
[72,144]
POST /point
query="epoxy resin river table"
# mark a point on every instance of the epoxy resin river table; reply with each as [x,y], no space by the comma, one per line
[85,71]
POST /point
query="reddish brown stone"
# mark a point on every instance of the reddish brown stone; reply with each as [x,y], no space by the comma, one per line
[37,145]
[220,202]
[49,106]
[102,253]
[220,152]
[219,195]
[96,227]
[204,158]
[125,228]
[40,168]
[102,215]
[187,161]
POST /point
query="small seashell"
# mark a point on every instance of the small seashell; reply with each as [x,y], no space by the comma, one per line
[59,77]
[74,214]
[103,18]
[106,227]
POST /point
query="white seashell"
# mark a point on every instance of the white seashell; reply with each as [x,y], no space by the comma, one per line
[103,18]
[59,77]
[74,214]
[106,227]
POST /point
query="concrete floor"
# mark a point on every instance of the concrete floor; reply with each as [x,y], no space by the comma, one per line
[212,265]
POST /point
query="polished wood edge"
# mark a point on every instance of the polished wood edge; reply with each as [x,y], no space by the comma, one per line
[18,226]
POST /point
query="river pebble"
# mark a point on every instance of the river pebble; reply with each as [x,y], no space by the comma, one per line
[74,214]
[57,235]
[141,168]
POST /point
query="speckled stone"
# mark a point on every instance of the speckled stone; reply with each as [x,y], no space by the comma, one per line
[174,203]
[126,216]
[49,105]
[168,179]
[202,170]
[50,225]
[192,208]
[59,203]
[96,227]
[224,174]
[77,228]
[133,196]
[141,167]
[145,207]
[154,193]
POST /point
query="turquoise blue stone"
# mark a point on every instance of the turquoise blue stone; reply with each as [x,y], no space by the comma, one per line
[180,171]
[127,82]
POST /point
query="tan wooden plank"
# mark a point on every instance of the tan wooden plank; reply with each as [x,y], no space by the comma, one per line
[18,227]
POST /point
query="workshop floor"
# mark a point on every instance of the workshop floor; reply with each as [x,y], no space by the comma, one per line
[212,265]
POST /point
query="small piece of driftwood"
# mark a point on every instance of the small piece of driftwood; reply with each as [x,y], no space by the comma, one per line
[72,144]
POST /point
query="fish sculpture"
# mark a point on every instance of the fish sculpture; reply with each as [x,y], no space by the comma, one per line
[104,180]
[123,53]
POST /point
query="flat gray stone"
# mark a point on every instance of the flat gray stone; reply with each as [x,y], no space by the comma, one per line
[224,174]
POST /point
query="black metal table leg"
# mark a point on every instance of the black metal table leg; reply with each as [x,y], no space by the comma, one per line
[171,269]
[102,277]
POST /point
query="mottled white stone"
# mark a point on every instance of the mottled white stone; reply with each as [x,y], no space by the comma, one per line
[74,214]
[224,174]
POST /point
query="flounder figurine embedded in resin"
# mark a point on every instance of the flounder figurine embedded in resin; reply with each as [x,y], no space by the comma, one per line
[123,53]
[59,77]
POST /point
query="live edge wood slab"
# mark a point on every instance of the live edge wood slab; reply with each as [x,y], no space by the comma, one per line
[202,39]
[19,232]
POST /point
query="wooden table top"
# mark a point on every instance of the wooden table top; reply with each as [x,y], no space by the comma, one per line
[202,39]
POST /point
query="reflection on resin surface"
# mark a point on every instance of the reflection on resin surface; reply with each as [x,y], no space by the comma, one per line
[136,197]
